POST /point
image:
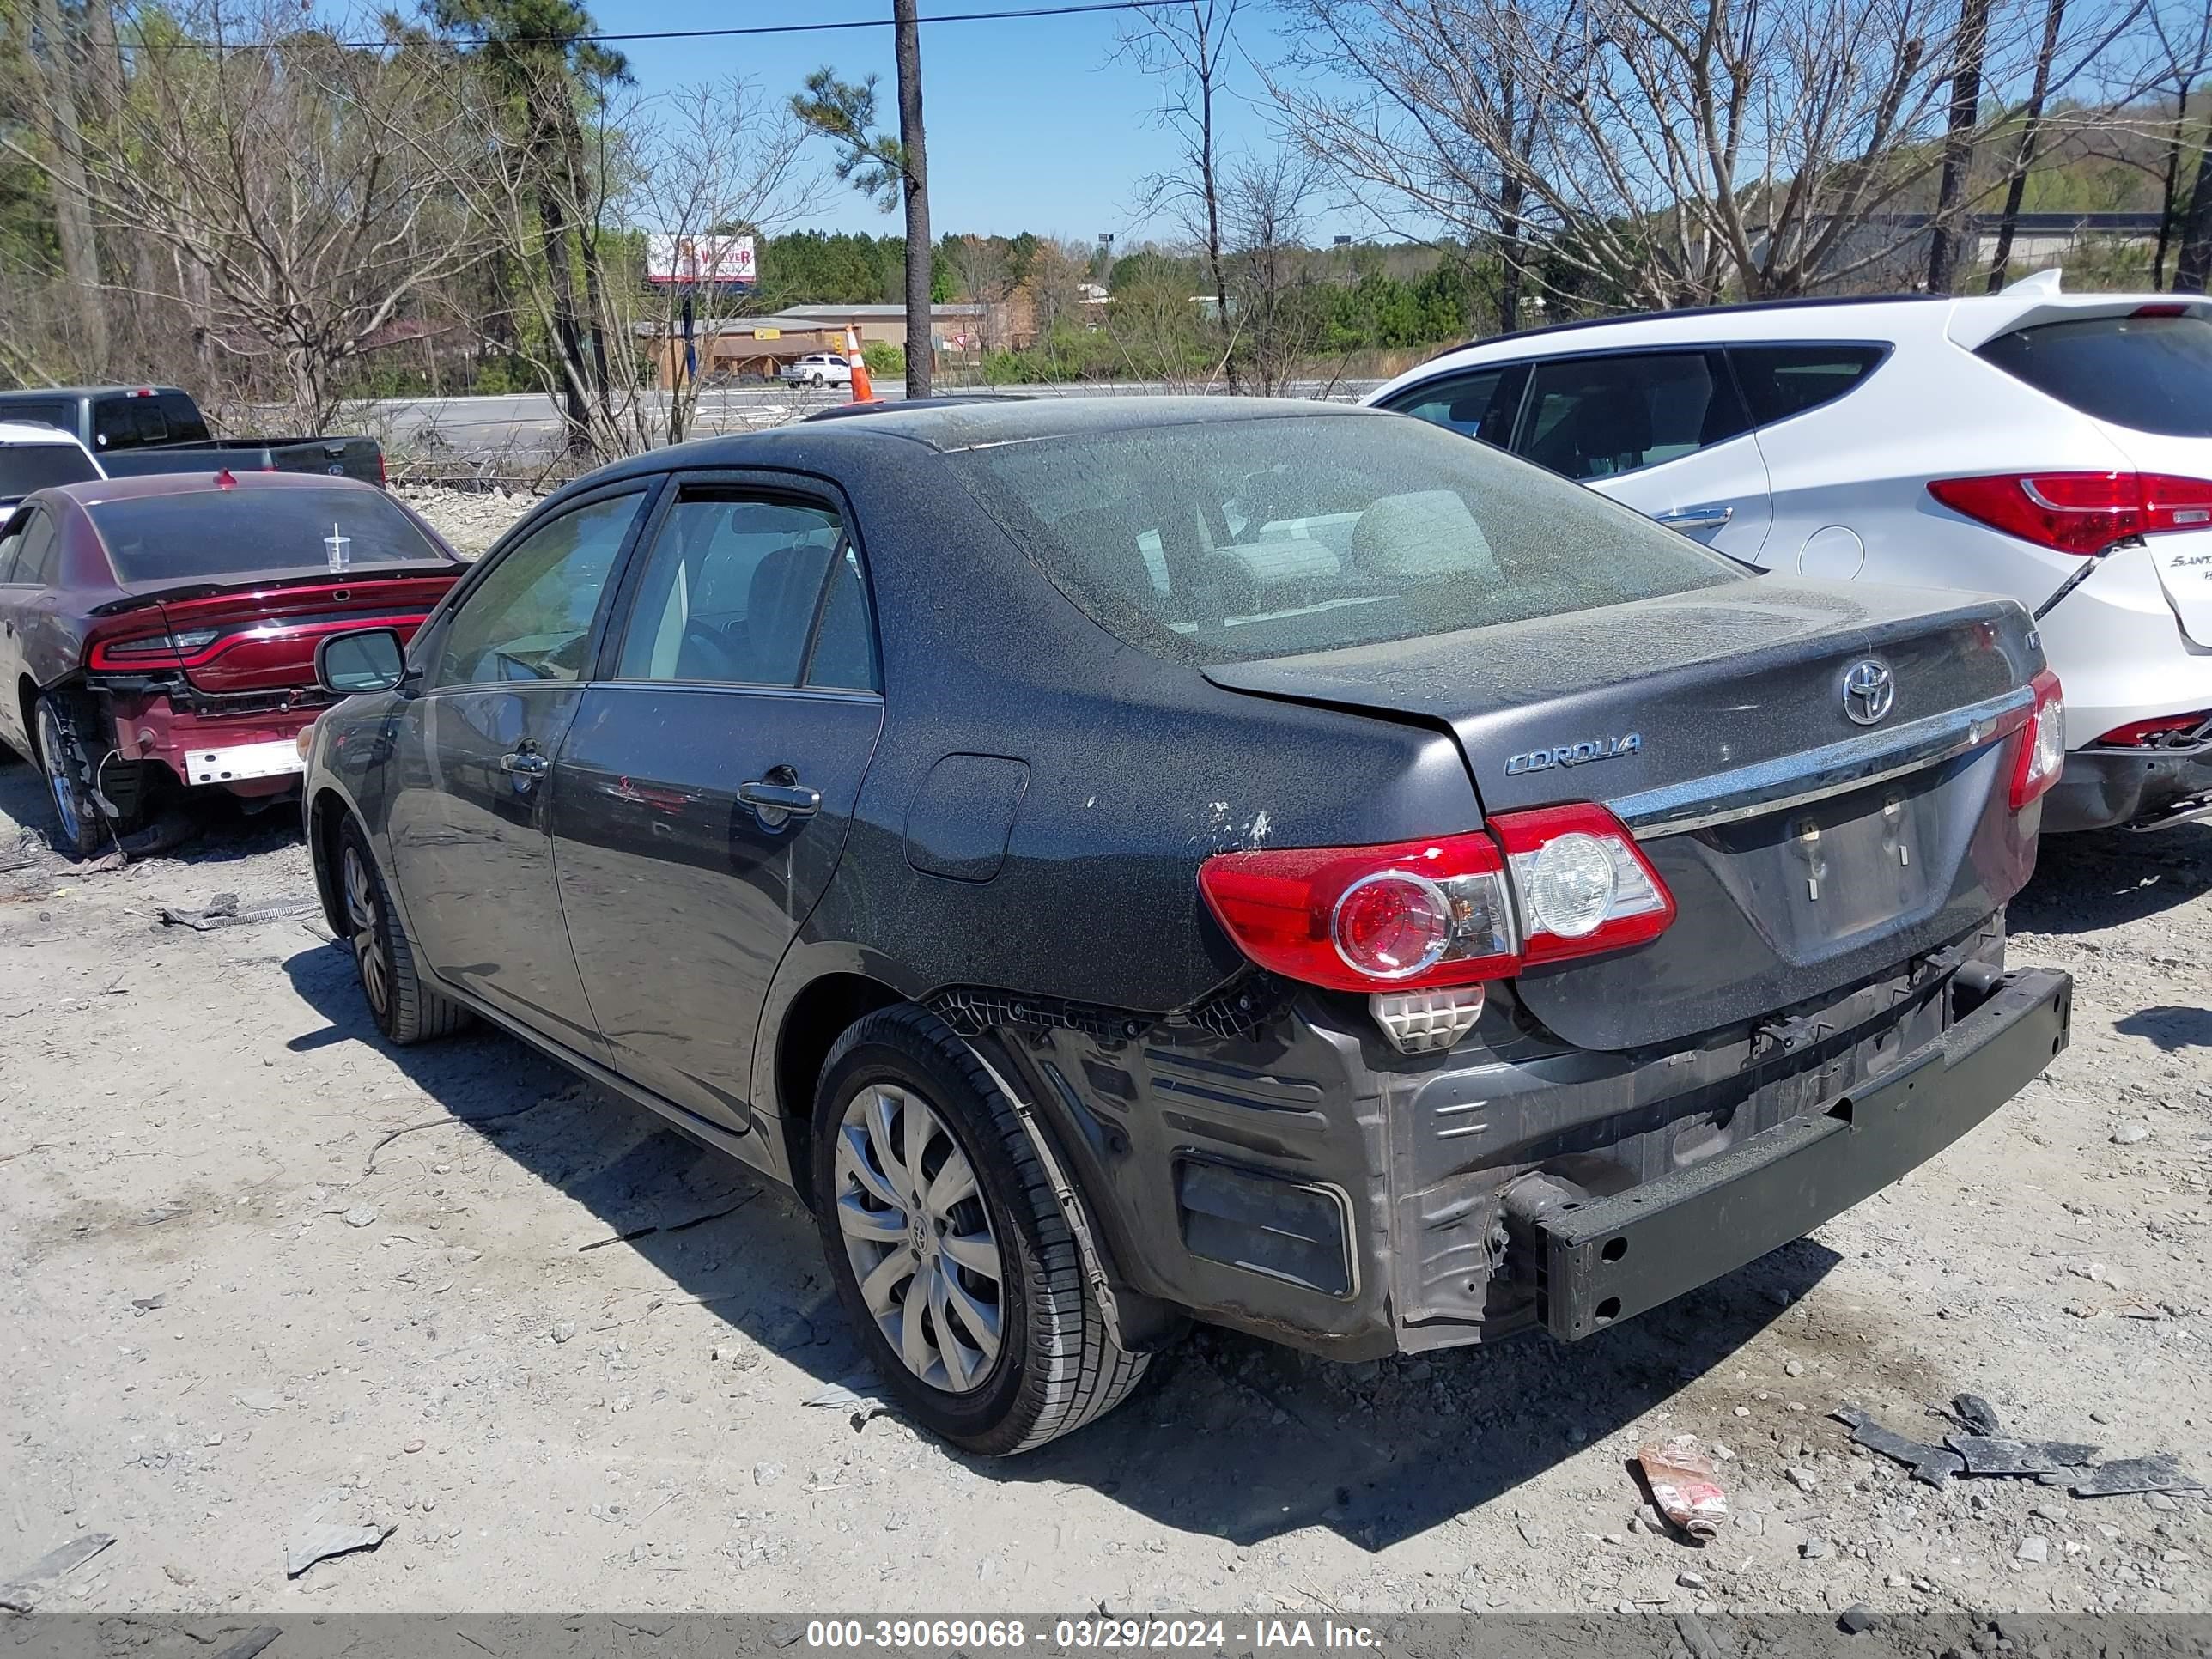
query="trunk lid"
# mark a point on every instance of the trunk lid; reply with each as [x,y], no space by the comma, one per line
[1804,849]
[260,635]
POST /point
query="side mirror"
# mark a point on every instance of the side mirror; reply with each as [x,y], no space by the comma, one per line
[365,660]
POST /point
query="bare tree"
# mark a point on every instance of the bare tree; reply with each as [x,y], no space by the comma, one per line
[294,183]
[1184,44]
[61,64]
[1267,200]
[1657,152]
[983,274]
[2177,46]
[1962,126]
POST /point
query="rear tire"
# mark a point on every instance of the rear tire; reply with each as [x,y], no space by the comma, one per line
[928,1188]
[81,829]
[405,1010]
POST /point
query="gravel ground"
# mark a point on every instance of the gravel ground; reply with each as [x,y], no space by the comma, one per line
[471,520]
[566,1358]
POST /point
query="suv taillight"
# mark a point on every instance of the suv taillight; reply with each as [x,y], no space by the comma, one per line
[2082,513]
[2042,743]
[1535,887]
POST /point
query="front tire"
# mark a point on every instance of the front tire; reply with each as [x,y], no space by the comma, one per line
[949,1248]
[405,1009]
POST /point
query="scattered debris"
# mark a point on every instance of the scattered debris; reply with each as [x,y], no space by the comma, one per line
[1815,1548]
[1685,1484]
[1857,1619]
[19,1593]
[146,1304]
[1987,1454]
[565,1330]
[360,1215]
[369,1168]
[206,922]
[2135,1475]
[252,1643]
[1975,1414]
[261,1400]
[1933,1464]
[318,1541]
[671,1226]
[2130,1132]
[2033,1550]
[849,1393]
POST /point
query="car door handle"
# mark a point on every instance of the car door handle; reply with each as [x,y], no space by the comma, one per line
[1696,518]
[528,763]
[795,798]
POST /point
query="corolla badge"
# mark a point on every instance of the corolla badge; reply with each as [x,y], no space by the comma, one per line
[1574,754]
[1869,688]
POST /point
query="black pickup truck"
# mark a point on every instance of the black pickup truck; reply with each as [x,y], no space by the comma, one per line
[134,430]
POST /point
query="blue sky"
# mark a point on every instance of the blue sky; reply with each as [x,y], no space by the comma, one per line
[1032,124]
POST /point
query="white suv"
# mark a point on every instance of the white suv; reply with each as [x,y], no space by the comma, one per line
[33,457]
[2056,448]
[817,369]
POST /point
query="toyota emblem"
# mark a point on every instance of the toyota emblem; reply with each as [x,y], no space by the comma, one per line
[1869,688]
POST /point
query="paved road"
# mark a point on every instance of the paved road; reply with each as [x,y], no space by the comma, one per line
[526,423]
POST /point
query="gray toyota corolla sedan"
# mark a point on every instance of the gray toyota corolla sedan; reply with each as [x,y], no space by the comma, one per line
[1136,859]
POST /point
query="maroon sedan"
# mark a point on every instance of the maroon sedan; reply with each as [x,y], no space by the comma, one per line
[159,633]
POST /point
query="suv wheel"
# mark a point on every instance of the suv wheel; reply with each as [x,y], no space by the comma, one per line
[405,1009]
[948,1247]
[815,380]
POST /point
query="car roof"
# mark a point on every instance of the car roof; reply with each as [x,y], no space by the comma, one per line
[124,386]
[34,432]
[973,422]
[94,491]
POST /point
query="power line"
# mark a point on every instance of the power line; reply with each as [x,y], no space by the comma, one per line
[683,34]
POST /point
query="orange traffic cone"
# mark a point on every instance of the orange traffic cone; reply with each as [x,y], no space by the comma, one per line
[863,392]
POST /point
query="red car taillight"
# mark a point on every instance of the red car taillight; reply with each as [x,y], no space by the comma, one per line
[2042,743]
[1535,887]
[2082,513]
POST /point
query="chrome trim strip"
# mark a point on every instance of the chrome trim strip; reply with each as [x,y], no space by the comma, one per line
[1795,780]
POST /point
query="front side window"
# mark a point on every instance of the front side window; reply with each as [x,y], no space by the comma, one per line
[11,543]
[530,617]
[731,590]
[1599,417]
[2154,373]
[1478,405]
[1782,380]
[1226,540]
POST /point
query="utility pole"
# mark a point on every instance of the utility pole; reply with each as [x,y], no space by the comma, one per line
[907,48]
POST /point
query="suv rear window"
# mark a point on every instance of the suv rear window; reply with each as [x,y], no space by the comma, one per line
[212,534]
[2152,373]
[27,467]
[1263,538]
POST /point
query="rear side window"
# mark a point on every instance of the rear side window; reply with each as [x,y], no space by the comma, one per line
[211,534]
[2154,373]
[1598,417]
[1782,380]
[27,467]
[57,413]
[1233,539]
[1478,404]
[38,553]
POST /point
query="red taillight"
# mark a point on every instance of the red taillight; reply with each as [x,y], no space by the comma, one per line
[1536,887]
[1582,883]
[2082,513]
[1408,914]
[2162,308]
[2042,743]
[383,472]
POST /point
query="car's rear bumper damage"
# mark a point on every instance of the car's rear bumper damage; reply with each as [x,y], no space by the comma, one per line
[1301,1180]
[2147,788]
[245,743]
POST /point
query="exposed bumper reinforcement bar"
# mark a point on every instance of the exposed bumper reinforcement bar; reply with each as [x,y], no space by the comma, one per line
[1608,1259]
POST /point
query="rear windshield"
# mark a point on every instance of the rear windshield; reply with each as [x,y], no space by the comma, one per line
[1270,538]
[2154,373]
[211,534]
[27,467]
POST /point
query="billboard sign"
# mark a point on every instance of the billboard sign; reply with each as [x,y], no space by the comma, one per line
[703,261]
